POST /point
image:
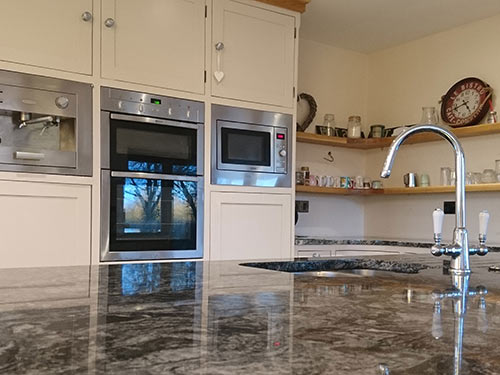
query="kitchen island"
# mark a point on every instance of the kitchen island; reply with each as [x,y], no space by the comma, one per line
[224,318]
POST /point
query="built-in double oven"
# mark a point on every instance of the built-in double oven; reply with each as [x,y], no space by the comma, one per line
[151,176]
[251,147]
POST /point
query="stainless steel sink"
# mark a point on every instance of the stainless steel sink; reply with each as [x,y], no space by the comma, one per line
[343,273]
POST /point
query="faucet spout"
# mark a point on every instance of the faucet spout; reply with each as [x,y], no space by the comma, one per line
[446,133]
[460,248]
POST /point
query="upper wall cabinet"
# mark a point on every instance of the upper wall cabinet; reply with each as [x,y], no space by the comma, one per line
[252,54]
[54,34]
[156,42]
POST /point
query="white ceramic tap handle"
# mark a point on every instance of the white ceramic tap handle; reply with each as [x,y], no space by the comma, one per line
[437,218]
[484,217]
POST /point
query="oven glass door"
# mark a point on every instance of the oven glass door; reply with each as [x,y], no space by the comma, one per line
[150,212]
[151,145]
[245,147]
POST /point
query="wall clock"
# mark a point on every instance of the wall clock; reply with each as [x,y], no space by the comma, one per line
[465,103]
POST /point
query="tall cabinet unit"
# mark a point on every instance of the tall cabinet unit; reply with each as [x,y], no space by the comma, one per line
[253,54]
[54,34]
[157,43]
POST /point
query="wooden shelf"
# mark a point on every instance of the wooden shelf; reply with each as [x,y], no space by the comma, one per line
[336,191]
[397,190]
[371,143]
[295,5]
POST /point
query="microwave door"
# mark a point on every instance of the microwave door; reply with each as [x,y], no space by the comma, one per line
[245,147]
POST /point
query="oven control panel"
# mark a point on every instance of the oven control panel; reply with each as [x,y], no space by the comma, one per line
[281,150]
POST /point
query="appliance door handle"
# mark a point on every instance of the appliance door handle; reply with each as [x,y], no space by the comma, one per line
[29,155]
[152,120]
[155,176]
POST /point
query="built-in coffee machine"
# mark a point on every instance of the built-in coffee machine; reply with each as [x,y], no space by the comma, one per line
[45,125]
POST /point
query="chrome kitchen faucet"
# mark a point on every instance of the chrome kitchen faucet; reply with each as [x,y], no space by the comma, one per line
[459,250]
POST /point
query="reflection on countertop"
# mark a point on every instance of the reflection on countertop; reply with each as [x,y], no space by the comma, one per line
[223,318]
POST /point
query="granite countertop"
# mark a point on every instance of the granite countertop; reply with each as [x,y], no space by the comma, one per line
[318,240]
[223,318]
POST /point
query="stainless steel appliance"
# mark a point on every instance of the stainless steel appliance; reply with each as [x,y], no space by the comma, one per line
[151,176]
[252,148]
[45,125]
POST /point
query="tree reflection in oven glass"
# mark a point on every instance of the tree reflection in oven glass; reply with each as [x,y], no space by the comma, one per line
[165,207]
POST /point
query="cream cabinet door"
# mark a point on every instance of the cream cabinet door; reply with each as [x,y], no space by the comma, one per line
[54,34]
[256,54]
[250,226]
[155,42]
[44,224]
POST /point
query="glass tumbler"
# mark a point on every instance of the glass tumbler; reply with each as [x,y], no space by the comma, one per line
[445,179]
[329,123]
[429,116]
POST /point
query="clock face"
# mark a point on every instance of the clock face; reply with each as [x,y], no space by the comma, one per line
[465,103]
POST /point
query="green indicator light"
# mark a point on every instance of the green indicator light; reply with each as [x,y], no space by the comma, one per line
[155,101]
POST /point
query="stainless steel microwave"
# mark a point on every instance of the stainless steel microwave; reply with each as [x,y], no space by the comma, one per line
[252,148]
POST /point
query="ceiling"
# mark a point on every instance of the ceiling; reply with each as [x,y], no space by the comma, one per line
[371,25]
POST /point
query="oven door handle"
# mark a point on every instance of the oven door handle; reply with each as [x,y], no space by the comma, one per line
[153,120]
[155,176]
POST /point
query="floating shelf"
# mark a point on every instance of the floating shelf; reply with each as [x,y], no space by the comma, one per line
[396,190]
[371,143]
[336,191]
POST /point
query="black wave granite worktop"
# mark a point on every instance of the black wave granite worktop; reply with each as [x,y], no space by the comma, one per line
[224,318]
[320,241]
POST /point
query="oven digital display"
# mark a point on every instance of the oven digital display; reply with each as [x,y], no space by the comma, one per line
[155,101]
[280,136]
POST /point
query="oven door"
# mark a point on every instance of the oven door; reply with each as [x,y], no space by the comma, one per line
[151,145]
[245,147]
[151,216]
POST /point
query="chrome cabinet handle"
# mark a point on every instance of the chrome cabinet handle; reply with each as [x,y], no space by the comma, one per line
[29,155]
[87,16]
[219,46]
[109,22]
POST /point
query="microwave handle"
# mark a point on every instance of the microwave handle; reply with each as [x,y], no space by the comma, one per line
[152,120]
[155,176]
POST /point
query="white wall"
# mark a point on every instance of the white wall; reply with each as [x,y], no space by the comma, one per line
[416,74]
[393,85]
[407,77]
[337,79]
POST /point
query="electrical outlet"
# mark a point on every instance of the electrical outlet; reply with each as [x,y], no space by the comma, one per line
[302,206]
[449,207]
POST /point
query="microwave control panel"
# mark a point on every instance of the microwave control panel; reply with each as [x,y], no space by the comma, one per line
[281,147]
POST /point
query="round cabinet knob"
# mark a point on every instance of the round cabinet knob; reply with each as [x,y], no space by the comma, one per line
[219,46]
[282,153]
[109,22]
[62,102]
[87,16]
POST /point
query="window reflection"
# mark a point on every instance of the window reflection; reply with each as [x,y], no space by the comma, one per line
[165,208]
[140,278]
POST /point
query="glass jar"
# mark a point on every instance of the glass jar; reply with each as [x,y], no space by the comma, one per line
[488,176]
[354,127]
[329,123]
